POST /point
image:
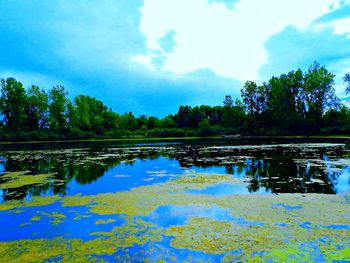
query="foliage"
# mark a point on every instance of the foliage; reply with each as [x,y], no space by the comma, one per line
[296,103]
[347,81]
[12,101]
[167,132]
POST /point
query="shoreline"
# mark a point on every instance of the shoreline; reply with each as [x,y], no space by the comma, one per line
[130,139]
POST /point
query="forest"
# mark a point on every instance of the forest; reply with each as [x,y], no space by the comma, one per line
[295,103]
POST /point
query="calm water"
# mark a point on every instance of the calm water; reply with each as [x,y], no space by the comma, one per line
[92,169]
[271,168]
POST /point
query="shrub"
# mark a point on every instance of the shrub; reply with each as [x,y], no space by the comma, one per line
[169,132]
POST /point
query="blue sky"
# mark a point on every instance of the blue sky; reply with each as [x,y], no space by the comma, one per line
[150,56]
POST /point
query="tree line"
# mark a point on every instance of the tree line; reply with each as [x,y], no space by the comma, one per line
[296,103]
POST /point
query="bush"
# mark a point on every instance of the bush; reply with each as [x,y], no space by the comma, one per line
[170,132]
[209,131]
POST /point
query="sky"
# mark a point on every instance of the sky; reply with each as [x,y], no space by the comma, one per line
[150,56]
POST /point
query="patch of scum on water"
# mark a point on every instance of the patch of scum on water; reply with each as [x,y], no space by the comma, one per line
[266,242]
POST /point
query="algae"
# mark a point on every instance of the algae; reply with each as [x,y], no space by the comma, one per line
[278,235]
[20,179]
[103,222]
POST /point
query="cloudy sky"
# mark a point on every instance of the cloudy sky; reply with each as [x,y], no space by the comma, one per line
[150,56]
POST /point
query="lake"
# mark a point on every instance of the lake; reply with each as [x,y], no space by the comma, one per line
[253,200]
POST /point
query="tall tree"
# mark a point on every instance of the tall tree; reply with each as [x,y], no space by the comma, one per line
[294,82]
[58,108]
[183,117]
[13,103]
[319,91]
[228,102]
[249,94]
[255,97]
[347,81]
[37,108]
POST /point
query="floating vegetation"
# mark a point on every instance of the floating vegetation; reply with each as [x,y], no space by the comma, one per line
[36,201]
[35,218]
[104,222]
[20,179]
[55,217]
[177,218]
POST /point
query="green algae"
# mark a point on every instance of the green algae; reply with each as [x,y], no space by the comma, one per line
[104,222]
[76,200]
[35,218]
[201,180]
[20,179]
[55,217]
[205,234]
[35,202]
[81,216]
[333,250]
[75,250]
[42,250]
[25,224]
[138,232]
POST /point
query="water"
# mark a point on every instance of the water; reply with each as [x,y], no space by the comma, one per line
[169,188]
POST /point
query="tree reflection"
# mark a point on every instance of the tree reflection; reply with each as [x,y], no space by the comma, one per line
[274,170]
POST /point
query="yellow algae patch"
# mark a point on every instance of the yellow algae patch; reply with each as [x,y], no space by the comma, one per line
[55,217]
[25,224]
[202,180]
[36,201]
[75,250]
[76,200]
[9,205]
[294,208]
[35,218]
[81,216]
[287,208]
[17,211]
[43,249]
[104,210]
[136,233]
[260,223]
[19,179]
[143,200]
[333,250]
[218,237]
[103,222]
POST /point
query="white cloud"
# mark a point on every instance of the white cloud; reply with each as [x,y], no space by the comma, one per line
[341,26]
[230,42]
[144,61]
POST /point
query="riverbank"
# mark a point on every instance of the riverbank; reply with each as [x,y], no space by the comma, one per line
[150,139]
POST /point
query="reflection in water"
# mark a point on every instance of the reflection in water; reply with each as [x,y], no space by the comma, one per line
[269,169]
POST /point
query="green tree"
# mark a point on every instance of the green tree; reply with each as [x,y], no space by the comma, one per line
[37,108]
[249,94]
[142,121]
[128,122]
[183,117]
[167,122]
[58,109]
[83,112]
[152,123]
[347,81]
[319,92]
[233,115]
[13,103]
[228,102]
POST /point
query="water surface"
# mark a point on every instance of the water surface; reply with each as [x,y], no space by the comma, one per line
[147,200]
